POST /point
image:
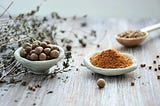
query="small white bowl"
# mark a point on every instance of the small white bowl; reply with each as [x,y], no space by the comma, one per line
[110,71]
[38,67]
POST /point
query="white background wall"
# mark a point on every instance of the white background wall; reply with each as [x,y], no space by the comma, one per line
[94,8]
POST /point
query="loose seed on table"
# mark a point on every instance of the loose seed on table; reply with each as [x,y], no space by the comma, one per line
[155,69]
[68,47]
[101,83]
[158,76]
[132,83]
[143,65]
[150,67]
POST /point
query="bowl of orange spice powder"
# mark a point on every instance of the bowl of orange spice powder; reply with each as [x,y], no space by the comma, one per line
[110,62]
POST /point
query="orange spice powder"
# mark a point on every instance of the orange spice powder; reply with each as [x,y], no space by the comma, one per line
[110,58]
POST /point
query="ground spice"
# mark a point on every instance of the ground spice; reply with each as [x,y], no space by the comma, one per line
[110,58]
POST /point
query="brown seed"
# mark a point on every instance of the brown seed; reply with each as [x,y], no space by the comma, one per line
[158,76]
[43,44]
[48,41]
[53,47]
[132,83]
[34,56]
[38,50]
[158,67]
[157,56]
[25,45]
[32,88]
[150,67]
[101,83]
[68,47]
[154,61]
[23,53]
[28,49]
[155,69]
[84,45]
[28,57]
[54,54]
[35,44]
[47,51]
[42,57]
[32,51]
[143,65]
[24,83]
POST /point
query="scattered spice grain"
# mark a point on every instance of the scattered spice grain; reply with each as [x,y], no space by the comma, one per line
[98,46]
[157,56]
[101,83]
[154,61]
[158,76]
[132,83]
[24,83]
[68,47]
[32,88]
[110,58]
[49,92]
[155,69]
[143,65]
[158,67]
[150,67]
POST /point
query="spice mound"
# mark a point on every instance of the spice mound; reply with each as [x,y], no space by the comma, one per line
[132,34]
[110,58]
[39,51]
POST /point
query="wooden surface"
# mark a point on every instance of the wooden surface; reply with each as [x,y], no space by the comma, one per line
[80,88]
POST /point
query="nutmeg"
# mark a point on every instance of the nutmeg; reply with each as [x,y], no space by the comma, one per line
[54,53]
[28,57]
[34,56]
[53,47]
[48,41]
[43,44]
[42,56]
[28,49]
[47,51]
[23,53]
[32,51]
[26,44]
[101,83]
[38,50]
[35,44]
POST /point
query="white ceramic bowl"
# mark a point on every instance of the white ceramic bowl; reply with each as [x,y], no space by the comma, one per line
[38,67]
[108,71]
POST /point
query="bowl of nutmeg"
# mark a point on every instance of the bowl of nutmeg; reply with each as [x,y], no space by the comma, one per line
[39,56]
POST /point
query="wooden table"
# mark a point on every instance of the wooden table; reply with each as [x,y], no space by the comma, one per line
[78,87]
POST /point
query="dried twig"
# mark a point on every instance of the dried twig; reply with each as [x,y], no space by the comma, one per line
[7,8]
